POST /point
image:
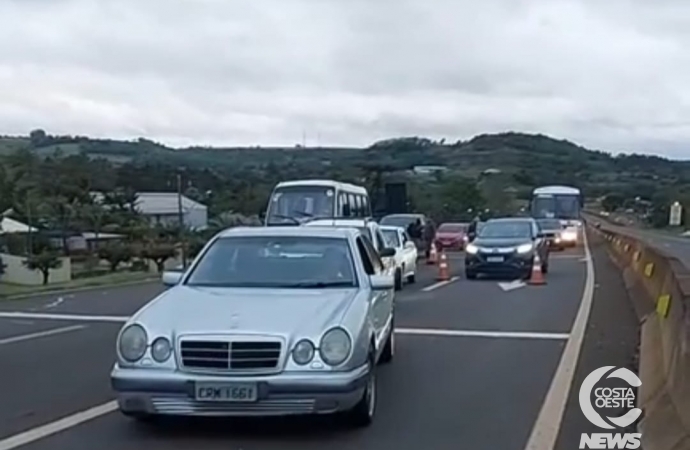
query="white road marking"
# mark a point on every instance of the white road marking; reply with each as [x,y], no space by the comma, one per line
[440,284]
[70,317]
[567,257]
[548,423]
[485,334]
[40,334]
[515,284]
[55,303]
[65,423]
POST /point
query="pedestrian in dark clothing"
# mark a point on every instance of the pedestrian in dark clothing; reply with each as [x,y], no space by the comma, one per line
[428,235]
[472,228]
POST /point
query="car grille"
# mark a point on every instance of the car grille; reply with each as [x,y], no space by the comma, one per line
[230,355]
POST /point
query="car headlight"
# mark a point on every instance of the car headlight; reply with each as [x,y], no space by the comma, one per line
[133,343]
[471,249]
[303,352]
[161,349]
[569,235]
[335,347]
[524,248]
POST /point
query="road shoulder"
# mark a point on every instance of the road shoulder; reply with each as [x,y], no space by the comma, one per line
[611,339]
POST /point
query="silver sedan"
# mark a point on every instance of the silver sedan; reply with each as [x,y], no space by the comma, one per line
[265,322]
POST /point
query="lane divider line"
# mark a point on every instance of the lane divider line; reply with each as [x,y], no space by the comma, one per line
[40,334]
[70,317]
[57,426]
[440,284]
[548,424]
[482,334]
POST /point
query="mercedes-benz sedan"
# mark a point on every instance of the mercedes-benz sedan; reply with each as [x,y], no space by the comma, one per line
[266,322]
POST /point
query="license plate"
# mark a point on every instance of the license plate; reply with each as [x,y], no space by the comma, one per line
[226,392]
[494,259]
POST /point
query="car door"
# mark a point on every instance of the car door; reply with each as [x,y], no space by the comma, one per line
[388,262]
[409,252]
[382,305]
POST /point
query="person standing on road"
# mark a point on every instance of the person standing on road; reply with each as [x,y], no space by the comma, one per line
[428,235]
[472,228]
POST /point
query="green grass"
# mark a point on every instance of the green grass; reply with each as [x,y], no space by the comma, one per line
[8,290]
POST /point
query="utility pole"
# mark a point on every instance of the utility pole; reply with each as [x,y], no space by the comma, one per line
[180,216]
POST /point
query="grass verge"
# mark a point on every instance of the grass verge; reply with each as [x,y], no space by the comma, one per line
[14,290]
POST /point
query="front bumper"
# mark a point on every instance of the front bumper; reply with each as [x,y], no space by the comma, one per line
[512,263]
[159,392]
[450,245]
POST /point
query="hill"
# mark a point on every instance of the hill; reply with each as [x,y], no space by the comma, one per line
[524,161]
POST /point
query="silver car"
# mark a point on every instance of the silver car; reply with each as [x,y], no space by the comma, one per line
[265,322]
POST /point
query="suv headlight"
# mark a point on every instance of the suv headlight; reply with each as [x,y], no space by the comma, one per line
[133,343]
[335,347]
[525,248]
[303,352]
[161,349]
[471,249]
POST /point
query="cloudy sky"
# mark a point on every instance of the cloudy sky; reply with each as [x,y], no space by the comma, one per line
[609,74]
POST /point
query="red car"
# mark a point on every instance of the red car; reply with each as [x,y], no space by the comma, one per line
[451,236]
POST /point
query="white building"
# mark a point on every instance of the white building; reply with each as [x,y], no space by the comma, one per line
[162,208]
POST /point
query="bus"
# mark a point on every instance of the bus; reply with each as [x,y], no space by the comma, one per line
[293,202]
[557,202]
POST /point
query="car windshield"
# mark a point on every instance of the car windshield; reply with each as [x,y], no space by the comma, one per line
[276,262]
[392,238]
[550,224]
[452,228]
[299,202]
[506,230]
[398,221]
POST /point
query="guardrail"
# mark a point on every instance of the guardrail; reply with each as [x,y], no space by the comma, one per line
[659,285]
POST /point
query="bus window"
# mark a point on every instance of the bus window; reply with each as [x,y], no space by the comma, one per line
[360,207]
[344,205]
[353,205]
[367,208]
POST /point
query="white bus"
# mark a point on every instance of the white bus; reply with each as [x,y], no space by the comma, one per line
[294,201]
[557,202]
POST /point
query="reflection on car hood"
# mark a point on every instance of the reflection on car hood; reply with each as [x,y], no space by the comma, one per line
[184,309]
[500,242]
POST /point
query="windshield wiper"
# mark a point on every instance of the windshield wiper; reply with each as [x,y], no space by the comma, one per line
[320,284]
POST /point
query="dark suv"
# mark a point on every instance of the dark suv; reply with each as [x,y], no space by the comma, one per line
[506,247]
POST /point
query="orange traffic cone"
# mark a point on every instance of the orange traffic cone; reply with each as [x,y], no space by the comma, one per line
[433,255]
[443,272]
[537,276]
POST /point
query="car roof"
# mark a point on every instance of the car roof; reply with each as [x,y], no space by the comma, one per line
[404,215]
[323,232]
[390,228]
[511,219]
[339,222]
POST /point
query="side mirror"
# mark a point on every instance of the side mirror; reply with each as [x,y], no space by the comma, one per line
[172,277]
[382,282]
[387,252]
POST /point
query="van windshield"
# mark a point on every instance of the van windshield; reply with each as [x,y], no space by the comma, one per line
[295,203]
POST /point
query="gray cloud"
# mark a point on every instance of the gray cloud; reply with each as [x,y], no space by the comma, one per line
[611,75]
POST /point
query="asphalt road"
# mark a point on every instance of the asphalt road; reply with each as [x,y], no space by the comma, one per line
[474,367]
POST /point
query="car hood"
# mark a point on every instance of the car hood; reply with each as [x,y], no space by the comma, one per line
[184,309]
[500,242]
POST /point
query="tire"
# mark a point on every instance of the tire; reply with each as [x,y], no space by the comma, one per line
[362,414]
[389,348]
[470,274]
[398,280]
[412,279]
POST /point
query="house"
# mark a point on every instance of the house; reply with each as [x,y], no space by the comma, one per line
[162,208]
